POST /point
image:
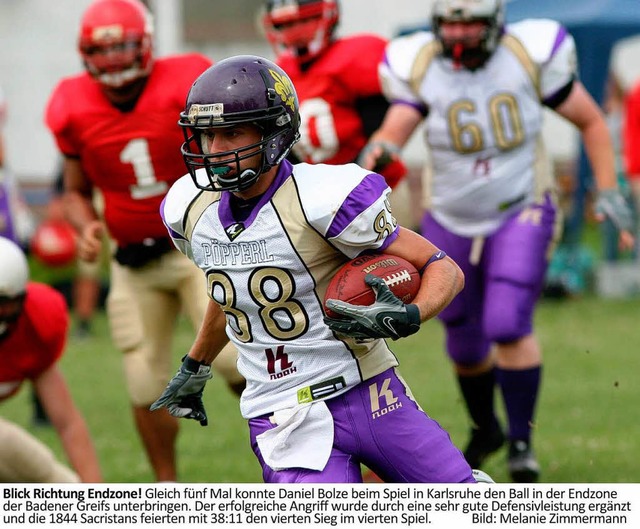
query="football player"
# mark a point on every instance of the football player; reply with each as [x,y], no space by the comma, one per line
[323,395]
[341,100]
[478,88]
[115,124]
[33,328]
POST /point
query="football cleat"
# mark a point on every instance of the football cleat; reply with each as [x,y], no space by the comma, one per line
[522,463]
[481,477]
[482,444]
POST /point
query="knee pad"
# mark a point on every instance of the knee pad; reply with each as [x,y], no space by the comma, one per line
[24,459]
[466,343]
[508,313]
[145,379]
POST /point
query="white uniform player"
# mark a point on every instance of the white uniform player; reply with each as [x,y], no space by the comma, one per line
[270,270]
[479,87]
[483,127]
[320,399]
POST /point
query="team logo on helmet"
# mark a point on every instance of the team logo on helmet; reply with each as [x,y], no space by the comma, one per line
[284,89]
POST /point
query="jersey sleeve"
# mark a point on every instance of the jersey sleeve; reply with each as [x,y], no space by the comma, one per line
[552,49]
[47,310]
[356,216]
[398,68]
[366,52]
[631,133]
[181,208]
[57,120]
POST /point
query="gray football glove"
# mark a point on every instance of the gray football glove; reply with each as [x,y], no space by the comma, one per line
[183,394]
[612,204]
[387,317]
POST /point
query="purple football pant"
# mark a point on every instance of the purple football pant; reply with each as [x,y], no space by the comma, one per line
[500,293]
[378,423]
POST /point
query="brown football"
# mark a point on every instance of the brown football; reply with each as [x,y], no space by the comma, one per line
[348,284]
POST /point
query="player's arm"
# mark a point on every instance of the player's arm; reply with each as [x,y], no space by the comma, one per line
[581,110]
[442,278]
[69,424]
[183,395]
[211,337]
[397,127]
[77,199]
[388,316]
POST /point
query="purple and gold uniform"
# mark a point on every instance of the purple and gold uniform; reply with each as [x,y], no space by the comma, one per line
[269,270]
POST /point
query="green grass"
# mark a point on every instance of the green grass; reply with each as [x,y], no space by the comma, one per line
[587,426]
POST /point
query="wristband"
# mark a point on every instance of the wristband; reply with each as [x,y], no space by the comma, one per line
[435,257]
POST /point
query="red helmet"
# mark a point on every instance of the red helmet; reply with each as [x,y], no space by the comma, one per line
[302,28]
[54,243]
[116,41]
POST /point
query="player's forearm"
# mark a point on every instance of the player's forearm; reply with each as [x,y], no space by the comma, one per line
[78,446]
[398,125]
[78,209]
[211,337]
[441,282]
[599,150]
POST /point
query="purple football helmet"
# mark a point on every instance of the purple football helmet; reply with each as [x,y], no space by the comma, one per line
[240,89]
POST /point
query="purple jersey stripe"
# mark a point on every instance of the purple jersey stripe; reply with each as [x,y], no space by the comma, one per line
[562,34]
[363,195]
[224,209]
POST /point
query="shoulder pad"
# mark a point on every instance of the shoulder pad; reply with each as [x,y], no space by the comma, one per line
[401,53]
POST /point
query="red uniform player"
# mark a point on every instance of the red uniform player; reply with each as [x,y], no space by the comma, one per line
[33,328]
[116,125]
[337,82]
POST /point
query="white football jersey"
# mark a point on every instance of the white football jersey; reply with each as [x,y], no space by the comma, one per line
[269,273]
[483,127]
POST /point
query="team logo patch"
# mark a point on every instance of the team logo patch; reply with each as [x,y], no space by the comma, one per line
[234,230]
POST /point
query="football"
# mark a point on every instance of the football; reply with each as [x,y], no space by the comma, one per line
[54,243]
[348,284]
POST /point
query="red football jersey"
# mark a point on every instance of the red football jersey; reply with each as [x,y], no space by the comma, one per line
[132,157]
[631,133]
[36,342]
[331,130]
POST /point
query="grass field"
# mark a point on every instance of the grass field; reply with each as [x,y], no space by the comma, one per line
[587,428]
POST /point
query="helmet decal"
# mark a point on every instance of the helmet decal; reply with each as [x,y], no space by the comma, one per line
[284,88]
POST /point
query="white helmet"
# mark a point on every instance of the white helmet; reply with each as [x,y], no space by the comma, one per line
[489,11]
[14,274]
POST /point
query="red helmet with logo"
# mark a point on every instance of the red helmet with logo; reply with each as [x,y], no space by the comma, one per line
[116,41]
[302,28]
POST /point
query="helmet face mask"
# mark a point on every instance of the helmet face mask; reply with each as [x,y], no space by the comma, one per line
[116,42]
[474,46]
[241,90]
[14,274]
[302,28]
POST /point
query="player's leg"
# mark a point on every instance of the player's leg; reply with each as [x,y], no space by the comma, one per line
[467,345]
[24,459]
[142,319]
[517,258]
[194,298]
[381,423]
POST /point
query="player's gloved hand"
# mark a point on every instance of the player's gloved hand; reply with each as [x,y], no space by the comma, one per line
[183,394]
[383,158]
[387,317]
[611,203]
